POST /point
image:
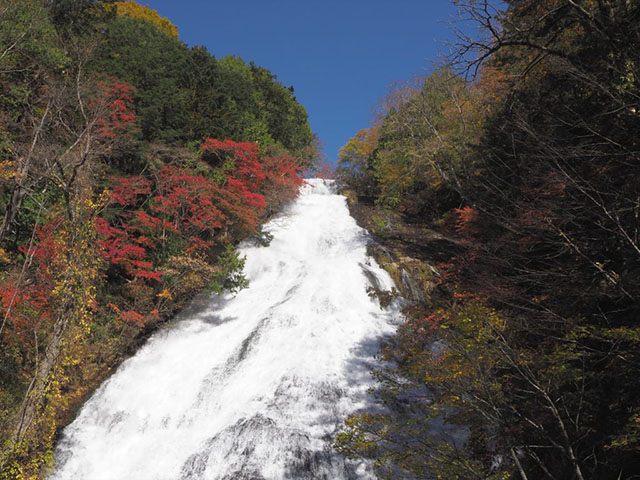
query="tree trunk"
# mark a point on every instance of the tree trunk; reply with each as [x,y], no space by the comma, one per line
[34,396]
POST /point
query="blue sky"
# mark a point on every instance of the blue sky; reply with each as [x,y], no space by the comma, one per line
[340,56]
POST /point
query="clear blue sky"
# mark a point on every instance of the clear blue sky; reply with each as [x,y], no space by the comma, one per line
[340,56]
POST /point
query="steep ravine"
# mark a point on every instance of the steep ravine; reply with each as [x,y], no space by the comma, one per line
[252,386]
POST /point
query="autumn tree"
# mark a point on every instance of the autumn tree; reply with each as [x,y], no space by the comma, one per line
[135,10]
[354,159]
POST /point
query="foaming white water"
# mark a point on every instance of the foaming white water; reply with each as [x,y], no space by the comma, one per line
[252,387]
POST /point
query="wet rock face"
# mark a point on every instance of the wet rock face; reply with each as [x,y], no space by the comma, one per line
[415,279]
[408,252]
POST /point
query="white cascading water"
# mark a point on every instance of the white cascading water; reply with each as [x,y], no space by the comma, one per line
[253,386]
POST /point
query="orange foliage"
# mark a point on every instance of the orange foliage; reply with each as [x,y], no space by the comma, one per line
[325,171]
[132,317]
[466,220]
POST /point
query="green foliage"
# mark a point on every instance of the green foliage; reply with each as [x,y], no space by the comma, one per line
[187,94]
[380,223]
[413,159]
[28,48]
[423,138]
[284,117]
[440,378]
[136,51]
[27,38]
[263,237]
[231,277]
[117,207]
[76,17]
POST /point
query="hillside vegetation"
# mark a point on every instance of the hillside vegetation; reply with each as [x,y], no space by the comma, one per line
[507,185]
[130,167]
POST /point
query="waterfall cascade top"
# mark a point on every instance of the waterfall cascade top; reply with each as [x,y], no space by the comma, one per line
[253,386]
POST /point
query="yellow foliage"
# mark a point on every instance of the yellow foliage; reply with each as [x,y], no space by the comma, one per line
[188,275]
[8,170]
[165,294]
[358,148]
[74,271]
[135,10]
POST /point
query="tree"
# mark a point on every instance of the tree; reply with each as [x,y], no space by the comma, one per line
[137,52]
[354,158]
[135,10]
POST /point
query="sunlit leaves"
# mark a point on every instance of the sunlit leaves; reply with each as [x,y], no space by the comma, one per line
[135,10]
[119,117]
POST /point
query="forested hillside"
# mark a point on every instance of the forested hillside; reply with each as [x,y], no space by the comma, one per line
[508,185]
[130,167]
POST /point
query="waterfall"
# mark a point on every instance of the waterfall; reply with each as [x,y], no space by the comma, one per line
[253,386]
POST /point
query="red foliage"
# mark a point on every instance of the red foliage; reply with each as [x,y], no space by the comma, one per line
[187,202]
[119,118]
[27,305]
[143,219]
[182,207]
[247,176]
[239,187]
[21,303]
[272,179]
[120,247]
[125,190]
[431,323]
[283,176]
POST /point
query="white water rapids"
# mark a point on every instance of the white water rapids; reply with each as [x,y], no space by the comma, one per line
[255,386]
